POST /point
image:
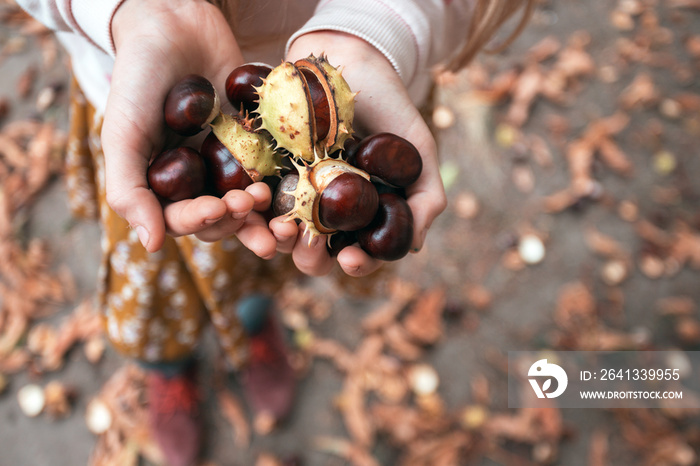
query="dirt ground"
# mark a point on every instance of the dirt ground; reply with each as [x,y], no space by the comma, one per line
[509,163]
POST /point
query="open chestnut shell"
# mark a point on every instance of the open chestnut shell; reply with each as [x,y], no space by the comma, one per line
[330,195]
[191,105]
[339,241]
[241,83]
[390,234]
[224,171]
[307,107]
[321,107]
[177,174]
[390,158]
[253,149]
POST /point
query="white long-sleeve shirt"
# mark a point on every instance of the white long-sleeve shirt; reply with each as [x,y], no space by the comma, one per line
[414,35]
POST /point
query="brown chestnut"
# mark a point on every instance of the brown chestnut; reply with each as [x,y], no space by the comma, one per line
[319,101]
[239,85]
[385,188]
[225,172]
[177,174]
[348,203]
[283,201]
[390,158]
[390,234]
[350,148]
[339,241]
[190,105]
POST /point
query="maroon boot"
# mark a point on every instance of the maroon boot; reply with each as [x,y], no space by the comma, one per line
[174,415]
[268,380]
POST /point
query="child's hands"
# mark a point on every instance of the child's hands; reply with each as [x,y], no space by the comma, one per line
[381,105]
[158,42]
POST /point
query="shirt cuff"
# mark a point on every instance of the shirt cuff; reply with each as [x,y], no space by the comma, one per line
[93,20]
[396,33]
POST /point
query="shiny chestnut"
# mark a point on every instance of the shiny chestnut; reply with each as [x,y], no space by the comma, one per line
[241,83]
[348,203]
[339,241]
[390,158]
[390,234]
[319,101]
[190,105]
[177,174]
[224,171]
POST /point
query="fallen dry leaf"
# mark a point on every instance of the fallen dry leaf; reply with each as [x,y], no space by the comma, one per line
[604,245]
[526,89]
[26,81]
[423,321]
[599,448]
[477,296]
[351,403]
[676,306]
[399,342]
[233,411]
[576,306]
[401,293]
[59,398]
[267,459]
[614,157]
[544,49]
[641,92]
[354,454]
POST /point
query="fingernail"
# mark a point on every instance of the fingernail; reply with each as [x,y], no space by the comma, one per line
[209,221]
[240,215]
[143,235]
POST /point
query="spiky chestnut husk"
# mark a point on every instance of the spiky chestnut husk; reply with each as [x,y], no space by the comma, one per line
[340,96]
[313,180]
[253,150]
[286,107]
[224,172]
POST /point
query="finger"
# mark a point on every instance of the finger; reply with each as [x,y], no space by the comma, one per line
[262,195]
[193,215]
[255,235]
[356,263]
[225,227]
[285,232]
[311,257]
[239,203]
[426,196]
[425,206]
